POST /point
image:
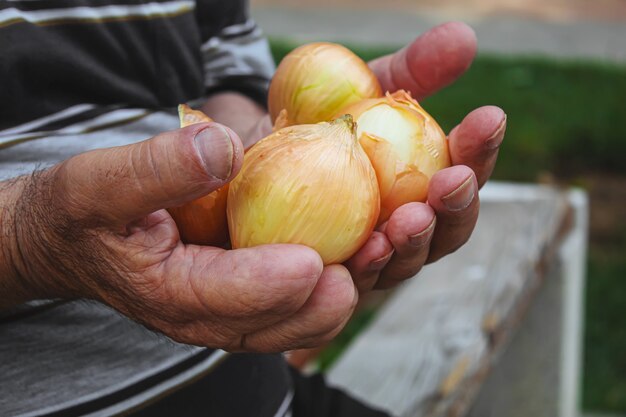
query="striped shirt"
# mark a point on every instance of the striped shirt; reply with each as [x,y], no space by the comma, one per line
[84,74]
[57,54]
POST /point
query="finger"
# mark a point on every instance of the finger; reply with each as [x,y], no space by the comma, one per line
[261,284]
[325,313]
[432,61]
[410,229]
[366,265]
[453,194]
[260,130]
[222,295]
[476,140]
[121,184]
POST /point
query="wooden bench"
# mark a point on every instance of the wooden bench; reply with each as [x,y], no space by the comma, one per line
[492,330]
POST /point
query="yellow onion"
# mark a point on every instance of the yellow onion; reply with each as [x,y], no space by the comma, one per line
[404,143]
[201,221]
[189,116]
[306,184]
[315,81]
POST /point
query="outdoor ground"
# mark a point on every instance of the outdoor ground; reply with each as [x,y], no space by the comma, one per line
[555,10]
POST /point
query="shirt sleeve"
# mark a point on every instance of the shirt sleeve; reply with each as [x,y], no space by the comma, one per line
[235,54]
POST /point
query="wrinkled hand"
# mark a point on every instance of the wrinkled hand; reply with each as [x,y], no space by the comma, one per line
[419,233]
[94,226]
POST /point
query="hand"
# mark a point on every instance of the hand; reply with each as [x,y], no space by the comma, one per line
[94,227]
[419,233]
[247,118]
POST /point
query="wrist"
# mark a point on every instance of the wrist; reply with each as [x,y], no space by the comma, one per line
[13,287]
[27,241]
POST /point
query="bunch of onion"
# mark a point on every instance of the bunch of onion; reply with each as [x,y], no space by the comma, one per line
[315,81]
[405,145]
[201,221]
[306,184]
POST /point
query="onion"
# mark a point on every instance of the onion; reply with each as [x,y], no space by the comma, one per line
[314,81]
[201,221]
[405,145]
[306,184]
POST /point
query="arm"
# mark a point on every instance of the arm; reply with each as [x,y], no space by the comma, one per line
[12,290]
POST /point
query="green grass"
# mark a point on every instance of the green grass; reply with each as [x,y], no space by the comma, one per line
[563,117]
[566,118]
[604,383]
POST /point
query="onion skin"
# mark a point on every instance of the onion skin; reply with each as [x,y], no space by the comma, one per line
[315,81]
[188,116]
[306,184]
[404,164]
[203,220]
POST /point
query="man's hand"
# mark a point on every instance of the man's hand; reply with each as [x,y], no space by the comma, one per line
[418,233]
[94,227]
[247,118]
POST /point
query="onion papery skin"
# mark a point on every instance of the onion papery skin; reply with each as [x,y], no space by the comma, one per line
[315,81]
[405,145]
[306,184]
[201,221]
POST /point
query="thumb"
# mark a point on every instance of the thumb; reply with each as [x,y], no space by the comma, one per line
[121,184]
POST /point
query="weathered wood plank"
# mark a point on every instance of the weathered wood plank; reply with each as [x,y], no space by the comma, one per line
[539,373]
[526,379]
[433,342]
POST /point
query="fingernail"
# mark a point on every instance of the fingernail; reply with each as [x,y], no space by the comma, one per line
[462,197]
[495,140]
[379,264]
[216,151]
[423,237]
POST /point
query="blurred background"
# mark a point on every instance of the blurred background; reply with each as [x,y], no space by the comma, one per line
[558,69]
